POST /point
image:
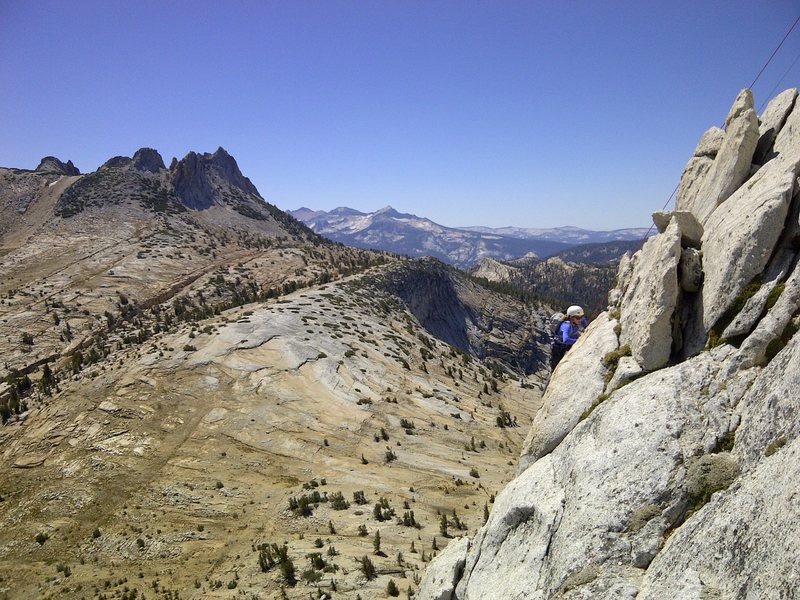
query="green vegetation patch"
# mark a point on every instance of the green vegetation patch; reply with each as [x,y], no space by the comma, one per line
[708,474]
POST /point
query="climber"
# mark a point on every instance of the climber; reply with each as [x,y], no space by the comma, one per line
[571,327]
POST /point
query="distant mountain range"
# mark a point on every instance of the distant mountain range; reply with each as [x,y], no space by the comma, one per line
[388,229]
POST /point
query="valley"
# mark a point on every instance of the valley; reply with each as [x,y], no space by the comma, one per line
[201,404]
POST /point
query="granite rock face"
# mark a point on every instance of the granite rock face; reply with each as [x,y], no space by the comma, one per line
[680,479]
[731,164]
[563,403]
[651,298]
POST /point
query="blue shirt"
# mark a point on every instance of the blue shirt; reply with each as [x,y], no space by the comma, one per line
[568,333]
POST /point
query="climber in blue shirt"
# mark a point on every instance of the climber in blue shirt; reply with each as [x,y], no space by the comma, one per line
[567,334]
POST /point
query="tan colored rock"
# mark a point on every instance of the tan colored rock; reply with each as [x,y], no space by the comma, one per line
[710,143]
[650,299]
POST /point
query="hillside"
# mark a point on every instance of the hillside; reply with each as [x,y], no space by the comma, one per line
[671,470]
[199,392]
[554,280]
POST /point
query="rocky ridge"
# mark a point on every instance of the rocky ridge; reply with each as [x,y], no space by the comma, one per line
[670,471]
[390,230]
[182,388]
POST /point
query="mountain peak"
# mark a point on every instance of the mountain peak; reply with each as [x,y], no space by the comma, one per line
[50,164]
[196,176]
[148,159]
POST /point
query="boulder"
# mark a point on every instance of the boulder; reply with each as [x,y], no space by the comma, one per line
[691,230]
[651,298]
[439,582]
[787,141]
[731,166]
[691,269]
[692,178]
[564,402]
[772,122]
[741,235]
[627,370]
[698,166]
[624,272]
[710,143]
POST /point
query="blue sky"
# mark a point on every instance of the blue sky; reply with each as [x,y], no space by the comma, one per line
[534,114]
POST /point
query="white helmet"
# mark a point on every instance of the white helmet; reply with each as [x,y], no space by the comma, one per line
[574,311]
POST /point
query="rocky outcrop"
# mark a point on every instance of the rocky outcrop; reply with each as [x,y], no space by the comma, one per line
[679,480]
[731,164]
[147,159]
[50,164]
[772,122]
[198,177]
[564,402]
[649,302]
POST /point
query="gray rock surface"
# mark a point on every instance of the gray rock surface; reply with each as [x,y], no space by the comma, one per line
[770,410]
[564,402]
[779,268]
[731,166]
[691,269]
[772,122]
[755,348]
[147,159]
[739,545]
[650,299]
[440,580]
[741,236]
[591,500]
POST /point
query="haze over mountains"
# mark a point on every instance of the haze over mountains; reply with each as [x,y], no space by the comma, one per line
[388,229]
